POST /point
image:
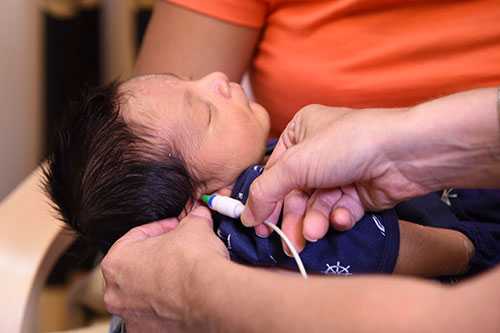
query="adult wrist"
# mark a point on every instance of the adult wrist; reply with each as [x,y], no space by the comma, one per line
[400,151]
[204,288]
[452,141]
[423,147]
[188,309]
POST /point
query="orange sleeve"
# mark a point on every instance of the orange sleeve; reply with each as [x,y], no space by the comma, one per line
[249,13]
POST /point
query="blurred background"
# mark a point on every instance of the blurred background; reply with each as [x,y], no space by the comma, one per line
[51,50]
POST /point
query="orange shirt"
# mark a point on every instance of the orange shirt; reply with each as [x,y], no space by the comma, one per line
[364,53]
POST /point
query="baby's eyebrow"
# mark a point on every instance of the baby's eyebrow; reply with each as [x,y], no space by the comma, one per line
[167,75]
[188,98]
[173,75]
[177,76]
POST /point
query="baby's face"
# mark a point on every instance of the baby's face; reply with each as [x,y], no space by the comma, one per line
[211,121]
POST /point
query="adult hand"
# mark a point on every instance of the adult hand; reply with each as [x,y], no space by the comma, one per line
[148,272]
[373,158]
[329,166]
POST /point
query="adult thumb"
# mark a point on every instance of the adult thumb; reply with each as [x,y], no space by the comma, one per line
[270,188]
[149,230]
[199,217]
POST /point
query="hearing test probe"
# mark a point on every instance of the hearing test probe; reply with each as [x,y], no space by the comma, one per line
[233,208]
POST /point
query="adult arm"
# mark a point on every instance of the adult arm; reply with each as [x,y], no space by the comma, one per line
[192,45]
[371,159]
[181,280]
[239,298]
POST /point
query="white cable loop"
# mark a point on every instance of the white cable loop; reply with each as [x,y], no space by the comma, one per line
[295,254]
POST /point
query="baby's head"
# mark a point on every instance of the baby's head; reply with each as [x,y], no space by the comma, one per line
[142,150]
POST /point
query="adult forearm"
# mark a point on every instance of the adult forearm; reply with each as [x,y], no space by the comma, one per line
[474,306]
[234,298]
[453,141]
[176,41]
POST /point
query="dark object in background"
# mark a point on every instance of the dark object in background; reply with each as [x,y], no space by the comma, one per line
[72,60]
[142,18]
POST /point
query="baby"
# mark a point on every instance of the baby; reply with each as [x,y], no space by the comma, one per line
[148,148]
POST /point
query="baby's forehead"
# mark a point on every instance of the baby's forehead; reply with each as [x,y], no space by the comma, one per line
[136,102]
[149,91]
[151,102]
[137,87]
[150,82]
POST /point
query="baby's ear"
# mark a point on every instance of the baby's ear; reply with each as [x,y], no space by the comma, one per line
[190,205]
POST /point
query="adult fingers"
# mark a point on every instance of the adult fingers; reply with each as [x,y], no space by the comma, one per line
[341,219]
[348,210]
[294,208]
[281,146]
[270,188]
[149,230]
[316,220]
[286,140]
[199,215]
[263,230]
[277,153]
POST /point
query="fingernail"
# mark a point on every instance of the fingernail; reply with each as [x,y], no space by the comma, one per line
[287,251]
[261,231]
[247,218]
[349,225]
[311,240]
[259,234]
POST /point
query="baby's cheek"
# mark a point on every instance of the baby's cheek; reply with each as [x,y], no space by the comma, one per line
[262,117]
[248,151]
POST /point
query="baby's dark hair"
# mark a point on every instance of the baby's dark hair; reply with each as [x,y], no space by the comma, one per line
[105,177]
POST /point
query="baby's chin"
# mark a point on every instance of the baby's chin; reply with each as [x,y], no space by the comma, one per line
[262,116]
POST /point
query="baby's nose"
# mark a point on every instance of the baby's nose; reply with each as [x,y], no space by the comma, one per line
[217,76]
[219,84]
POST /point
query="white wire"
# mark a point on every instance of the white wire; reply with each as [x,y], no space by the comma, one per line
[227,204]
[295,254]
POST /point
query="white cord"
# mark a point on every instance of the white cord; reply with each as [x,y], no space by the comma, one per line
[233,208]
[295,254]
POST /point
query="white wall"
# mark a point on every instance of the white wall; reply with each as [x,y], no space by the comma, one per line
[20,91]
